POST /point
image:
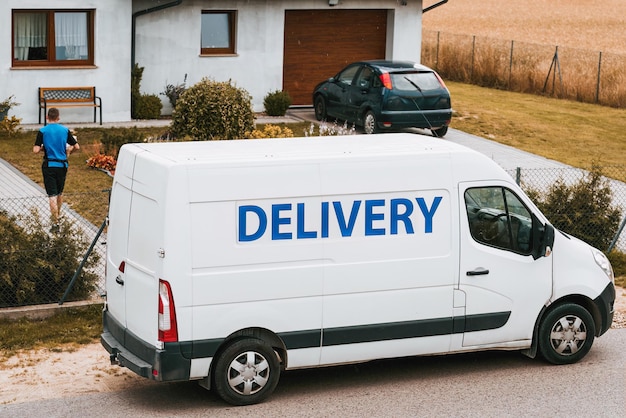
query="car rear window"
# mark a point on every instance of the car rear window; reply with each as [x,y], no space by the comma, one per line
[408,81]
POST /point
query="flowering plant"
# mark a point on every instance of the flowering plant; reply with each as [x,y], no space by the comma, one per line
[102,162]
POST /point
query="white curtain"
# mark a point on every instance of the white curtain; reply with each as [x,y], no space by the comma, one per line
[70,30]
[30,32]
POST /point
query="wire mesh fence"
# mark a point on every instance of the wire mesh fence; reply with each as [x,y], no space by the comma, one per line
[39,259]
[38,263]
[564,72]
[589,204]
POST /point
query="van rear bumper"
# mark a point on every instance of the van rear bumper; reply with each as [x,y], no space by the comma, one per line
[127,350]
[605,303]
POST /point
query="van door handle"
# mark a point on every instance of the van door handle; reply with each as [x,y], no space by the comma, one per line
[478,272]
[119,280]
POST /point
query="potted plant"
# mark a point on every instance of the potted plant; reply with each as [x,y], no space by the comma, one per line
[6,105]
[173,91]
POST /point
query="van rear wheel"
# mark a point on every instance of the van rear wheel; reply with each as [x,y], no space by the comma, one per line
[246,372]
[566,334]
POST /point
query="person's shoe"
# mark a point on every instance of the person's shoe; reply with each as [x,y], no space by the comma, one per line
[54,228]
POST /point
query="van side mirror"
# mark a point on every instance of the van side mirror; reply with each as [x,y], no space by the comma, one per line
[543,238]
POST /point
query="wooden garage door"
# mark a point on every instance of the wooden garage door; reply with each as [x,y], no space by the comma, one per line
[319,43]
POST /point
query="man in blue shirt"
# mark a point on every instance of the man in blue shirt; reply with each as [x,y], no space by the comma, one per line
[57,142]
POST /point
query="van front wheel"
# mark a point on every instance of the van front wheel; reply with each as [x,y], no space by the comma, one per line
[246,372]
[566,334]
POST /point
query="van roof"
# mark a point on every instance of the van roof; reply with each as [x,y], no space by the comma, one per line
[308,148]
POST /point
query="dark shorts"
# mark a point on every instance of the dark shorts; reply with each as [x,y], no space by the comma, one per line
[54,179]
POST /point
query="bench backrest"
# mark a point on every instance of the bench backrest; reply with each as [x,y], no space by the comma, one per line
[67,94]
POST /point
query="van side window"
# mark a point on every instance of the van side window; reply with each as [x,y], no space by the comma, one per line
[499,219]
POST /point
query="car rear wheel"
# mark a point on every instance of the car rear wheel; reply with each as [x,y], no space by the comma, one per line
[320,108]
[566,334]
[246,372]
[441,132]
[370,124]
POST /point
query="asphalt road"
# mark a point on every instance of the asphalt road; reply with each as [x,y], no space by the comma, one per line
[492,384]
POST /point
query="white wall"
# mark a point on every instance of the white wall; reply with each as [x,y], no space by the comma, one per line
[110,75]
[168,42]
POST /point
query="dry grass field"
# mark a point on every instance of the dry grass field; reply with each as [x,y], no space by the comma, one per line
[594,25]
[567,49]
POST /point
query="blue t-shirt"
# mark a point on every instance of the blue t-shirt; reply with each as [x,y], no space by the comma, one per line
[54,138]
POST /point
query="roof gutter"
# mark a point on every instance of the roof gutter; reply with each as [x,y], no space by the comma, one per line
[141,13]
[429,8]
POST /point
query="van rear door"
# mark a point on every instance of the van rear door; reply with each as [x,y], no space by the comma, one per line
[133,258]
[117,249]
[504,287]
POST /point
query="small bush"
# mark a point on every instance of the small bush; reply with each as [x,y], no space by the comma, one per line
[618,261]
[148,106]
[276,103]
[142,106]
[112,140]
[10,125]
[583,209]
[270,131]
[212,110]
[37,266]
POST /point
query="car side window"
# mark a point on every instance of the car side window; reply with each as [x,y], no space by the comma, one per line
[347,75]
[499,219]
[365,77]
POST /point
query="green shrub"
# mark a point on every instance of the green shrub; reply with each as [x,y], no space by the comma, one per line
[113,139]
[276,103]
[148,106]
[270,131]
[583,209]
[618,261]
[36,266]
[212,110]
[142,106]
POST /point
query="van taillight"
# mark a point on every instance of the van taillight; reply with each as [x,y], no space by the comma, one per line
[122,266]
[168,330]
[385,78]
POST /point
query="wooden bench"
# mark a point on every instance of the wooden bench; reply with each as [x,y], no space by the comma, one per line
[68,97]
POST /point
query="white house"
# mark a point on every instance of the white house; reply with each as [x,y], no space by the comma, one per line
[261,45]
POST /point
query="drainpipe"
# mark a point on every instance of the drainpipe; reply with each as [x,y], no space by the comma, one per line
[145,12]
[429,8]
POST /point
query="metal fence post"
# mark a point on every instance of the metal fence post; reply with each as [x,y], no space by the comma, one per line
[598,81]
[518,176]
[82,263]
[617,234]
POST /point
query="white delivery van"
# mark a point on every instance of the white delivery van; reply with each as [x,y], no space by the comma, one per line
[231,261]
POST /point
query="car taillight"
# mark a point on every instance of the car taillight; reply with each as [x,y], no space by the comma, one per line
[168,330]
[385,78]
[441,81]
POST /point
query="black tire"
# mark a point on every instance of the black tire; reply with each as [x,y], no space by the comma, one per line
[320,108]
[566,334]
[246,372]
[370,124]
[441,132]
